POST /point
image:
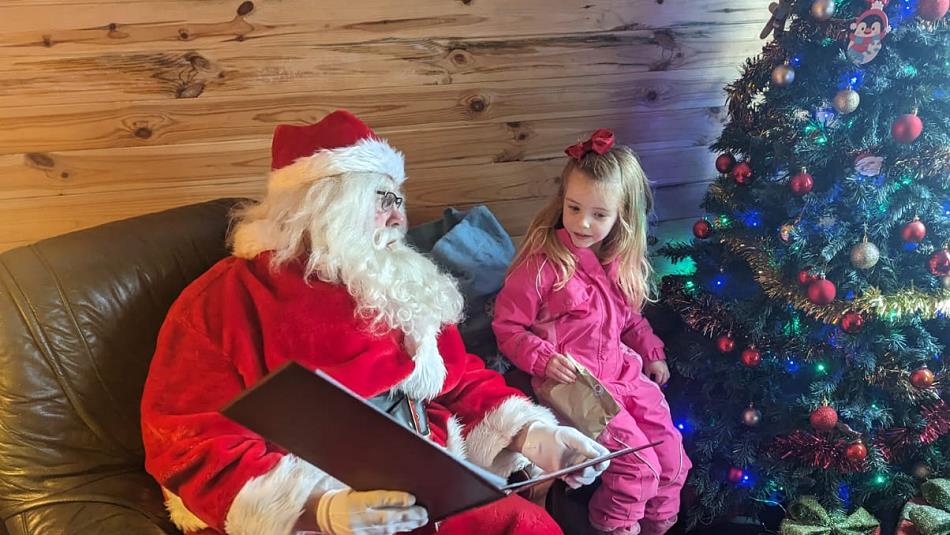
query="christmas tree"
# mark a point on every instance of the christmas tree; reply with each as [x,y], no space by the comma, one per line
[814,296]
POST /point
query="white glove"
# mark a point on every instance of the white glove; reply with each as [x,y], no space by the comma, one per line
[375,512]
[556,447]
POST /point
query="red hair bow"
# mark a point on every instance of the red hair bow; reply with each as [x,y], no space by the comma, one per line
[600,142]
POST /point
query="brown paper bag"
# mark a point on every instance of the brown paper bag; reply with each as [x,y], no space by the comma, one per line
[584,404]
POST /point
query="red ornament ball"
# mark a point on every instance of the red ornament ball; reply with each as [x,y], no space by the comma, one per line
[725,343]
[907,128]
[856,451]
[801,184]
[939,263]
[742,173]
[702,229]
[914,231]
[725,162]
[933,10]
[852,322]
[922,378]
[751,357]
[735,475]
[821,291]
[805,277]
[823,418]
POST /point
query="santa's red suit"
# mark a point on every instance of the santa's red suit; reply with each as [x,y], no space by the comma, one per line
[241,320]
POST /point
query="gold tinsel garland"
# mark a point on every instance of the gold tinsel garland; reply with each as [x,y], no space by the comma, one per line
[890,374]
[703,314]
[872,302]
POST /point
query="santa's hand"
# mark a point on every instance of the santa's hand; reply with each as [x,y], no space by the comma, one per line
[552,448]
[375,512]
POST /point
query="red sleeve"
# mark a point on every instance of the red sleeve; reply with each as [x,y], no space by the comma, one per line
[490,411]
[190,449]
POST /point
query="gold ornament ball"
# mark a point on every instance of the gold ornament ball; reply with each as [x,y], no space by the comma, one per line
[920,471]
[783,75]
[823,10]
[786,232]
[865,255]
[846,101]
[751,417]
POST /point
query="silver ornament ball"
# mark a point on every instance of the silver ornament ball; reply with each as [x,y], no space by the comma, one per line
[921,471]
[823,10]
[751,417]
[783,75]
[865,255]
[946,282]
[846,101]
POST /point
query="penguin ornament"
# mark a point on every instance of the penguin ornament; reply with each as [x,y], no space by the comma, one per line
[867,33]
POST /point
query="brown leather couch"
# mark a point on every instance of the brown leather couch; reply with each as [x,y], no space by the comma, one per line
[79,315]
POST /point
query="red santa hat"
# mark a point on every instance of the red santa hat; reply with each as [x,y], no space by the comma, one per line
[339,143]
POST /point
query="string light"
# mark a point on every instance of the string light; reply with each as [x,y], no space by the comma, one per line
[821,368]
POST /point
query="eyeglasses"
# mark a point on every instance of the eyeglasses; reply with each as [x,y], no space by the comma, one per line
[388,200]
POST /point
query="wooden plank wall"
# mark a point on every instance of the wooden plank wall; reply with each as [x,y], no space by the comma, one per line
[113,108]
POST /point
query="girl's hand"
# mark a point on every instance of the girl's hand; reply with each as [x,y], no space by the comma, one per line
[560,369]
[657,371]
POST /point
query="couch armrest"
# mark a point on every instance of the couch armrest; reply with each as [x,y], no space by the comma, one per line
[87,518]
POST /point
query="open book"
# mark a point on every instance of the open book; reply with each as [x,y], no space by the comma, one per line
[321,421]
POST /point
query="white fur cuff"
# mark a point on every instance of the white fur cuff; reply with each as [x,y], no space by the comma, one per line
[487,441]
[272,503]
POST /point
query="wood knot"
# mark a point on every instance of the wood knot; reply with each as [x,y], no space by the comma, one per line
[64,175]
[459,57]
[191,90]
[476,103]
[143,132]
[239,37]
[245,8]
[40,159]
[113,26]
[197,61]
[183,34]
[467,2]
[665,39]
[47,41]
[652,95]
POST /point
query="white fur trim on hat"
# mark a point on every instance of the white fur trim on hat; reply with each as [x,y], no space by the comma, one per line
[273,502]
[486,442]
[365,156]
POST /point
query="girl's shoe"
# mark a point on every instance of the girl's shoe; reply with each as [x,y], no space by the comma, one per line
[628,530]
[656,527]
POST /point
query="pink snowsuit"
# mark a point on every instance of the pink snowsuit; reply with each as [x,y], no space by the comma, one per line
[590,319]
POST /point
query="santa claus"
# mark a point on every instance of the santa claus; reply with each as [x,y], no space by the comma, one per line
[320,274]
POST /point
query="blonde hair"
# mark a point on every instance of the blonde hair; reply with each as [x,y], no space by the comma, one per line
[618,171]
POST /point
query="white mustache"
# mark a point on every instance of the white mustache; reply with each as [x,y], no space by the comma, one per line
[384,236]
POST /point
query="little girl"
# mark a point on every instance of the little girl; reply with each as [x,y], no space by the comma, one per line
[576,288]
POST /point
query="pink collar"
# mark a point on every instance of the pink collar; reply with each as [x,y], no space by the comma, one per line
[586,257]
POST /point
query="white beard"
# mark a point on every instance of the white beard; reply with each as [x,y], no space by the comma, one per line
[396,287]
